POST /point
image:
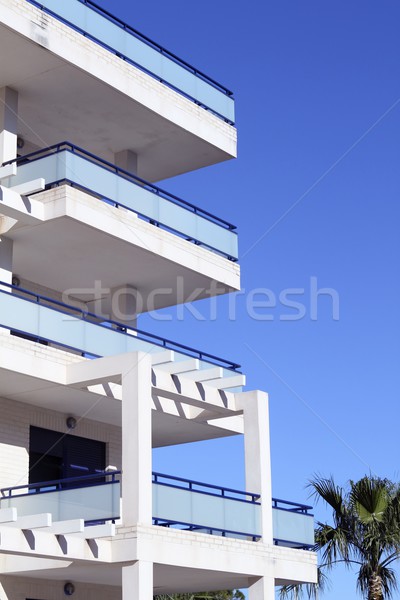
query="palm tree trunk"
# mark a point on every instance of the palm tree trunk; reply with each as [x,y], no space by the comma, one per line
[375,591]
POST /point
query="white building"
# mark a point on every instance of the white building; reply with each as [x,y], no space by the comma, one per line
[83,395]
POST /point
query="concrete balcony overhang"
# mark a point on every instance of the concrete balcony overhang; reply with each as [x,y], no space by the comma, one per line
[50,378]
[69,87]
[96,242]
[179,564]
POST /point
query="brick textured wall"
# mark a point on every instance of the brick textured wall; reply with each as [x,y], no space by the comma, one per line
[16,418]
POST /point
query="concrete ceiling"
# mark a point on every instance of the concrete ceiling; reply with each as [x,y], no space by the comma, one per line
[167,579]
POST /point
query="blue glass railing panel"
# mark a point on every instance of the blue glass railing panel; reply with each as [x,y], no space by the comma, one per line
[47,320]
[76,168]
[92,503]
[293,528]
[99,26]
[205,510]
[66,330]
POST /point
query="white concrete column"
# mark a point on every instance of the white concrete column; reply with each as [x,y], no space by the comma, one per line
[8,124]
[136,442]
[128,160]
[257,454]
[137,581]
[122,305]
[262,589]
[6,260]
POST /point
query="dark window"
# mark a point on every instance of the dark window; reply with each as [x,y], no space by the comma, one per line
[54,455]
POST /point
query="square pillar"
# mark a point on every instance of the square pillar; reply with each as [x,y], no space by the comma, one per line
[8,124]
[128,160]
[262,589]
[137,581]
[6,260]
[136,442]
[257,454]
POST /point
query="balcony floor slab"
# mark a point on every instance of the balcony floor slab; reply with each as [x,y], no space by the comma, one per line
[88,236]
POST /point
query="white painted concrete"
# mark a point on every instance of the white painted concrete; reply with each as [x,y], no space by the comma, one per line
[137,581]
[136,442]
[63,238]
[8,124]
[257,454]
[262,589]
[69,222]
[69,74]
[128,160]
[6,261]
[30,187]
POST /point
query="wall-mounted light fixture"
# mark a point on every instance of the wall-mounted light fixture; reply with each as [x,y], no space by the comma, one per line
[69,588]
[70,422]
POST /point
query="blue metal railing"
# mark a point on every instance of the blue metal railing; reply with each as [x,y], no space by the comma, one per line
[189,485]
[205,488]
[43,487]
[160,479]
[118,328]
[204,529]
[291,506]
[224,492]
[147,211]
[175,79]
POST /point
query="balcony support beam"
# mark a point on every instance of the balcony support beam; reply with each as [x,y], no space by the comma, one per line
[137,581]
[136,443]
[8,124]
[257,455]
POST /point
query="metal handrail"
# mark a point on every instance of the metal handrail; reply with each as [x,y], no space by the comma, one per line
[58,484]
[123,329]
[148,42]
[156,46]
[65,145]
[294,506]
[217,490]
[190,485]
[204,528]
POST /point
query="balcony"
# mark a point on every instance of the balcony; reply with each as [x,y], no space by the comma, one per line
[128,44]
[180,503]
[82,75]
[92,498]
[45,320]
[65,163]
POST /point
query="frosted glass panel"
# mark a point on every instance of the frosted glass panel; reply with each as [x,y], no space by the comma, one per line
[92,503]
[293,527]
[112,36]
[66,165]
[204,510]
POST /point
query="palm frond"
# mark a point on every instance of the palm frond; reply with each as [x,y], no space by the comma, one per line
[365,531]
[326,489]
[370,498]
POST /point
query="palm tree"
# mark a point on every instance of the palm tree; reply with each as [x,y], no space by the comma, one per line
[365,534]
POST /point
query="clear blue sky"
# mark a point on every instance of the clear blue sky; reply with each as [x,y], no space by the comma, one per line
[316,86]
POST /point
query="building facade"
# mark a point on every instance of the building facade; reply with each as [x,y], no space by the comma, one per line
[92,114]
